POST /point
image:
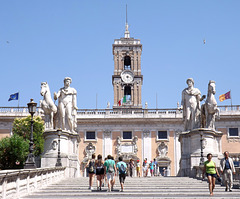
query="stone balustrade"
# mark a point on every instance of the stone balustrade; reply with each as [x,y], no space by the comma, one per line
[236,177]
[17,183]
[120,113]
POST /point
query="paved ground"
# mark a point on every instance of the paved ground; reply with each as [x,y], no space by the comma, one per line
[155,187]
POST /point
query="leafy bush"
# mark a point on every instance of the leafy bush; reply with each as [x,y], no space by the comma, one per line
[22,127]
[13,152]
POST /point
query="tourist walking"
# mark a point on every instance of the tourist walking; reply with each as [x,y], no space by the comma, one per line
[104,177]
[131,166]
[110,171]
[91,170]
[145,167]
[122,169]
[155,166]
[151,167]
[227,169]
[99,171]
[138,168]
[211,172]
[113,183]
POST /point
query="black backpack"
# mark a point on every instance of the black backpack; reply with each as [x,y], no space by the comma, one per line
[122,169]
[90,166]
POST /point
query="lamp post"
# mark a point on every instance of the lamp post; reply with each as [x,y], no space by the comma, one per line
[201,142]
[30,162]
[59,162]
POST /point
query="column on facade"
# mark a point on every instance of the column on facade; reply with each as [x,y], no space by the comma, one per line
[132,62]
[115,63]
[139,63]
[146,145]
[177,151]
[121,64]
[115,88]
[107,143]
[135,94]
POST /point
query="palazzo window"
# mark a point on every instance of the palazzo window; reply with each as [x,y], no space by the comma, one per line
[162,135]
[233,132]
[127,135]
[127,63]
[90,135]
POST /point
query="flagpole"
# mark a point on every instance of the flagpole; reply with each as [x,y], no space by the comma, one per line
[156,101]
[96,100]
[18,99]
[231,98]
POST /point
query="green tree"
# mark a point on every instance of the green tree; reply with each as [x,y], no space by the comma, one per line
[13,152]
[22,127]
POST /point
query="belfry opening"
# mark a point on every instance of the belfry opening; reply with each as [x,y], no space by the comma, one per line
[127,63]
[127,94]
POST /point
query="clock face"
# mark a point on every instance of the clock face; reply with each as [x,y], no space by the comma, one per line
[127,76]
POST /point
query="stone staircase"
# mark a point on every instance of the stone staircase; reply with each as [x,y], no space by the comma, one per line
[154,187]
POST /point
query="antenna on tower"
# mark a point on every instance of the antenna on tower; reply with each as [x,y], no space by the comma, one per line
[126,14]
[127,33]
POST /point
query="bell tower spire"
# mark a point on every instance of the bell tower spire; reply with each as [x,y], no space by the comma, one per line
[127,33]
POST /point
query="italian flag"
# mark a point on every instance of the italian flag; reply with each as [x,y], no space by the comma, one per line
[121,101]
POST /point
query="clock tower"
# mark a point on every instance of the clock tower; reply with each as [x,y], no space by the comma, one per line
[127,78]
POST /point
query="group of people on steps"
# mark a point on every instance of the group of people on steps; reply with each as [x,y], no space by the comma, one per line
[226,168]
[106,171]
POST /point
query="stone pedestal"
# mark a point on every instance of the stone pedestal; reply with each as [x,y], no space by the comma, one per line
[191,148]
[68,151]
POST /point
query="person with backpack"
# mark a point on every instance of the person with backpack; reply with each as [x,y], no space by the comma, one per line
[99,171]
[151,167]
[91,170]
[110,171]
[122,169]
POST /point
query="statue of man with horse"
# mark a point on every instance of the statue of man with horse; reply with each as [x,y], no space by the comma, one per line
[65,115]
[197,116]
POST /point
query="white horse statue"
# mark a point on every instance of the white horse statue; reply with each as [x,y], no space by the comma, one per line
[209,109]
[48,106]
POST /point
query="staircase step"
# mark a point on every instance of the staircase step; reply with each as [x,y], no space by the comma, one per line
[154,187]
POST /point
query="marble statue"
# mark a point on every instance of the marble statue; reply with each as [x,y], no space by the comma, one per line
[162,150]
[89,150]
[67,106]
[48,106]
[209,109]
[191,106]
[146,105]
[118,147]
[134,143]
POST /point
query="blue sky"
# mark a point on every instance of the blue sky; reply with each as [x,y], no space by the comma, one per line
[49,40]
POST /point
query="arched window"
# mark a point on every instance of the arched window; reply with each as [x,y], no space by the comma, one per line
[127,94]
[127,63]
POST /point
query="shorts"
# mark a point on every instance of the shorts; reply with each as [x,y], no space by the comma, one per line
[213,175]
[122,178]
[138,168]
[110,176]
[100,171]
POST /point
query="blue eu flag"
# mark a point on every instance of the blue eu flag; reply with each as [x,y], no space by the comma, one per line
[13,97]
